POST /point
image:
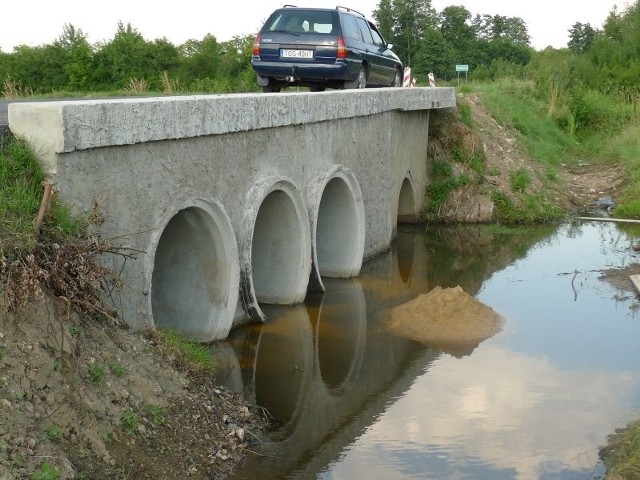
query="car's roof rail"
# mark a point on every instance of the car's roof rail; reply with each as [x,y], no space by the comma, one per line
[349,10]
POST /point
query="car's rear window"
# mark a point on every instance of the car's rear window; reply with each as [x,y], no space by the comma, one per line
[301,21]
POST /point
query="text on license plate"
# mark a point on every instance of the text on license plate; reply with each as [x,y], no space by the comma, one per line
[286,53]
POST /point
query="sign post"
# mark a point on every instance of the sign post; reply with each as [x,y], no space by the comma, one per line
[462,68]
[406,80]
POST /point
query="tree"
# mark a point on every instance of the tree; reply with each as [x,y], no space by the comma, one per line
[581,37]
[456,27]
[403,23]
[434,55]
[383,16]
[128,55]
[200,58]
[79,64]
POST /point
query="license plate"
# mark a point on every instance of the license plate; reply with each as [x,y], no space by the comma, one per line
[287,53]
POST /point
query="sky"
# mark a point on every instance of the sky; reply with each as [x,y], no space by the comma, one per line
[38,22]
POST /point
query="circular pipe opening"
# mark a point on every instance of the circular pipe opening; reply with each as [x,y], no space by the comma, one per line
[339,231]
[406,204]
[279,251]
[194,285]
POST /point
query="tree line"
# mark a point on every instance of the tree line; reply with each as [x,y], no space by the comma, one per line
[129,62]
[493,46]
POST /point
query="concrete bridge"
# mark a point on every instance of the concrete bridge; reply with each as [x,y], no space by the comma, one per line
[236,200]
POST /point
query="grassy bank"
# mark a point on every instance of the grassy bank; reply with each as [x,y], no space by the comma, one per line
[572,129]
[622,455]
[21,194]
[58,255]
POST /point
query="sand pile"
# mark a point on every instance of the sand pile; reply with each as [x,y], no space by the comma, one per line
[447,319]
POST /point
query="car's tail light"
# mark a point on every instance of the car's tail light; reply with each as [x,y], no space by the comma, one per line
[255,51]
[342,48]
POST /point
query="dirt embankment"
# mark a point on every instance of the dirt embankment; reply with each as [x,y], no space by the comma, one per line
[575,188]
[83,399]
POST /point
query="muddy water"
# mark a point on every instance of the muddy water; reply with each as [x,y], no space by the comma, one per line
[351,400]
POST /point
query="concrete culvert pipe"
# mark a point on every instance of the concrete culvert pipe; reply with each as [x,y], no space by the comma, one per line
[406,203]
[340,229]
[281,250]
[194,287]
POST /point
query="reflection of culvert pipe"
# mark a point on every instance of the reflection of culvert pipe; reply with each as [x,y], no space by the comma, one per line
[404,253]
[194,285]
[277,364]
[340,332]
[338,225]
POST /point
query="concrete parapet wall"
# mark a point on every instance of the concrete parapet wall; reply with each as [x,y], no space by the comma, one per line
[302,184]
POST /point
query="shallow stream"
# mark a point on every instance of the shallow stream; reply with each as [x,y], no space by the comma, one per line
[349,399]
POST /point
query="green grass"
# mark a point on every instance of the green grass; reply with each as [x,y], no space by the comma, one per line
[520,180]
[535,209]
[515,104]
[46,472]
[21,191]
[581,126]
[53,433]
[622,457]
[116,369]
[96,373]
[186,354]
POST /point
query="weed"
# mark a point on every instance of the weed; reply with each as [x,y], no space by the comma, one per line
[96,373]
[46,472]
[465,113]
[169,85]
[494,171]
[551,174]
[53,433]
[136,85]
[12,89]
[129,422]
[520,180]
[3,351]
[57,365]
[117,369]
[157,419]
[76,330]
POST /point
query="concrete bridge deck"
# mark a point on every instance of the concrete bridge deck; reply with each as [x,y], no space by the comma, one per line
[236,200]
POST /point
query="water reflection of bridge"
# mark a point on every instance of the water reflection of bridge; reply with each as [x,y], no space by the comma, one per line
[327,369]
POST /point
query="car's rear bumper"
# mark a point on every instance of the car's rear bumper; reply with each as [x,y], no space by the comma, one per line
[305,73]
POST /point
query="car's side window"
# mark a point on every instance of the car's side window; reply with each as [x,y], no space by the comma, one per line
[377,38]
[364,30]
[350,27]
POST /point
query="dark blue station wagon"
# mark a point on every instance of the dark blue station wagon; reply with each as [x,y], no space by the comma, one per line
[323,48]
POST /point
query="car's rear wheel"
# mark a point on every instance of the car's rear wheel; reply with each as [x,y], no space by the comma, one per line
[360,81]
[397,80]
[271,88]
